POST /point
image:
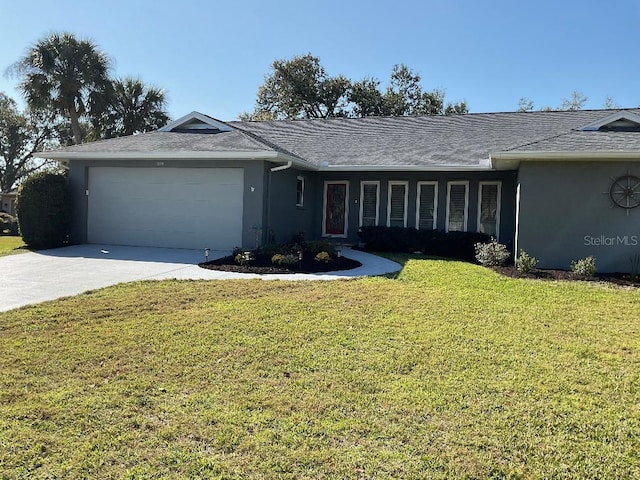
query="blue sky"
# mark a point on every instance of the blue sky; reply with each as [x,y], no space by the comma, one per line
[212,56]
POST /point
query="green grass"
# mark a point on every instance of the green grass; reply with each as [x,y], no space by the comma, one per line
[10,245]
[447,371]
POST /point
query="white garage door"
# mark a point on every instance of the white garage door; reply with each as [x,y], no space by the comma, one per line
[166,207]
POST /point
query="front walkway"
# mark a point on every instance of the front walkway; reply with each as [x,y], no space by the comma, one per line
[35,277]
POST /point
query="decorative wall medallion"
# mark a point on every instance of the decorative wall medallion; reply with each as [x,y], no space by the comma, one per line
[625,191]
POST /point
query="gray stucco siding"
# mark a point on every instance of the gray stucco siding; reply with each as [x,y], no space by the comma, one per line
[253,195]
[565,213]
[507,204]
[285,218]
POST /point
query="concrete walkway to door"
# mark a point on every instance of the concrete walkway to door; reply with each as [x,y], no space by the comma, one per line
[35,277]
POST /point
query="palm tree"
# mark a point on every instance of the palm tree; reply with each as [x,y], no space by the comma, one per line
[65,75]
[133,108]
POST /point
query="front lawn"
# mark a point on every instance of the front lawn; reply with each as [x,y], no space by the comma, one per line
[447,371]
[10,245]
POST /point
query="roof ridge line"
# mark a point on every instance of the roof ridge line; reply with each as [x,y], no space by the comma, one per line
[424,115]
[258,139]
[539,140]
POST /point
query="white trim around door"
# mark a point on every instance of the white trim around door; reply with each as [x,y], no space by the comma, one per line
[335,206]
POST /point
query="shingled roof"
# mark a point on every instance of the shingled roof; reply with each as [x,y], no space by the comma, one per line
[453,141]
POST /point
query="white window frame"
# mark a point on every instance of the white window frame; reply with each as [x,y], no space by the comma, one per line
[435,203]
[498,183]
[301,203]
[406,199]
[346,209]
[466,203]
[377,184]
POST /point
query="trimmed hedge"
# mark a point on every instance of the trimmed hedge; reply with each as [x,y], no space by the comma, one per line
[460,245]
[44,210]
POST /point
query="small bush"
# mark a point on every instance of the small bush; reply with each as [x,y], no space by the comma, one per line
[243,258]
[8,224]
[279,259]
[525,262]
[316,246]
[271,249]
[323,257]
[492,254]
[585,267]
[44,210]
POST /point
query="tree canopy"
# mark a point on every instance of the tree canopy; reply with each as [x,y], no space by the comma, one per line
[576,101]
[21,135]
[65,75]
[132,107]
[70,78]
[301,88]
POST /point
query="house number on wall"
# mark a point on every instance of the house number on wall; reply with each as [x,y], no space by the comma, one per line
[625,191]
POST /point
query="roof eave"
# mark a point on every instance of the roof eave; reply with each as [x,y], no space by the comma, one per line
[511,160]
[404,168]
[181,155]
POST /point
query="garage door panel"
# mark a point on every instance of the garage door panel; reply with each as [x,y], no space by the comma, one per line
[173,207]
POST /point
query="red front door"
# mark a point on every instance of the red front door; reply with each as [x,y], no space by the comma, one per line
[335,220]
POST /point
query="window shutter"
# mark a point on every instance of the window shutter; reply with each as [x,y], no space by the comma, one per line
[489,209]
[369,204]
[397,197]
[457,207]
[427,206]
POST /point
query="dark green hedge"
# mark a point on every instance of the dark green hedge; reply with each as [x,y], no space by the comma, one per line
[44,210]
[430,242]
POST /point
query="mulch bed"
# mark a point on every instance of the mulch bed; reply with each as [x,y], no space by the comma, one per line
[619,279]
[262,265]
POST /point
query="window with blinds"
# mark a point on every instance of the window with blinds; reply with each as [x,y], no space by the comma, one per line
[397,206]
[489,208]
[457,206]
[299,191]
[369,203]
[427,207]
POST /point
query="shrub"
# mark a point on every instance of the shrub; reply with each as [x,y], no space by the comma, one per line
[316,246]
[271,249]
[492,253]
[585,267]
[323,257]
[44,210]
[525,262]
[8,224]
[279,259]
[430,242]
[243,258]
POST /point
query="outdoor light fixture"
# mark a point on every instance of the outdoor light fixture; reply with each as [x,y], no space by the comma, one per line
[207,251]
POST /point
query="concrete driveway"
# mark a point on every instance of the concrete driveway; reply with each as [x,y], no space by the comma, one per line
[35,277]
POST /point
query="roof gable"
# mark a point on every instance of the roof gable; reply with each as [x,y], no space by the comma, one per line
[198,123]
[622,121]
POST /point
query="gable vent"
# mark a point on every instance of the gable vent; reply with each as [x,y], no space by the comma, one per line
[623,121]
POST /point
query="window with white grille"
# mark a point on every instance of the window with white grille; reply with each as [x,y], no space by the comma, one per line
[457,206]
[489,208]
[369,203]
[397,205]
[427,206]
